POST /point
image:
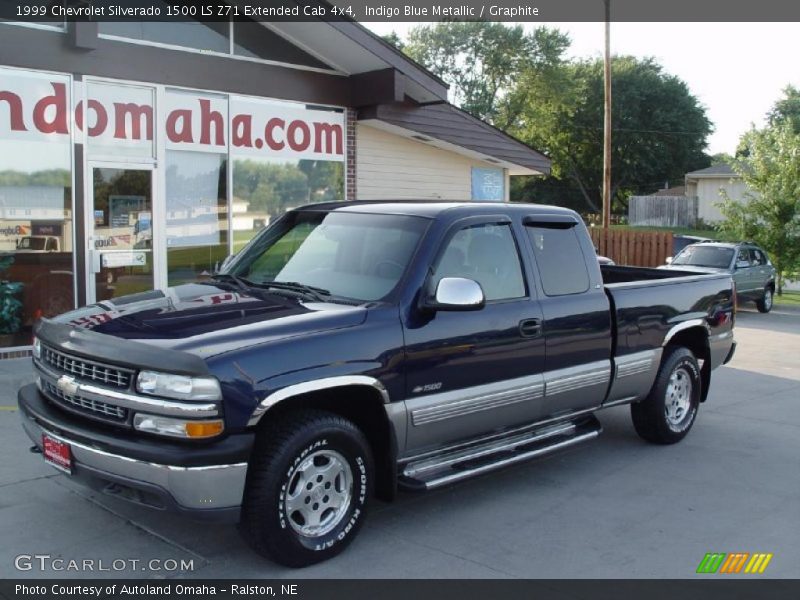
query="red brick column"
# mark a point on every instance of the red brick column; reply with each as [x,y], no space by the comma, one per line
[350,156]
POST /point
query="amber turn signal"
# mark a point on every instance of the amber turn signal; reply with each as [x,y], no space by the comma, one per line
[203,429]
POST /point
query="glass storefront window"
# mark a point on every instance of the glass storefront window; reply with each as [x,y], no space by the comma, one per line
[266,188]
[226,165]
[122,231]
[197,214]
[119,120]
[36,221]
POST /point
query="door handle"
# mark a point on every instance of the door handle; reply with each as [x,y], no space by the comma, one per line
[530,328]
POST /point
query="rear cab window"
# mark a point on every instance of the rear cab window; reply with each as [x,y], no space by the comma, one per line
[559,260]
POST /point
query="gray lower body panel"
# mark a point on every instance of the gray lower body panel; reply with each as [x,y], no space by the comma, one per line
[213,492]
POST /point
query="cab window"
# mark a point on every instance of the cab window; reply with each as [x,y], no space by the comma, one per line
[486,253]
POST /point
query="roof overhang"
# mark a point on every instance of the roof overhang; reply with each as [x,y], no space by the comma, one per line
[449,128]
[351,49]
[690,176]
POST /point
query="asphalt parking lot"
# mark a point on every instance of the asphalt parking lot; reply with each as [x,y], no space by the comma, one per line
[615,507]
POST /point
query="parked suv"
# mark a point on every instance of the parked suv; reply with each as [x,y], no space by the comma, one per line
[746,262]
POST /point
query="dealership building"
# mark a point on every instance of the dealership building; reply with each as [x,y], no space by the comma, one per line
[136,156]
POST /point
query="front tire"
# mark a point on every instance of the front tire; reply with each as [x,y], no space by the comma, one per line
[308,486]
[669,411]
[764,305]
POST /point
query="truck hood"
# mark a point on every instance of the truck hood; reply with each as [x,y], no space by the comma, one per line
[207,320]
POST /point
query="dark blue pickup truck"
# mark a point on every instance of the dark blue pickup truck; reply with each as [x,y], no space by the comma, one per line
[352,349]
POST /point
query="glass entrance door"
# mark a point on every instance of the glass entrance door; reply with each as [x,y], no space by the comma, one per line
[120,231]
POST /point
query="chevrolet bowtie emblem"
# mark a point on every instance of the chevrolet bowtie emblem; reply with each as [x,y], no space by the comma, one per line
[67,385]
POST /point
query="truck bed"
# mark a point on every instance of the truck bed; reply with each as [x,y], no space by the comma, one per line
[647,303]
[615,274]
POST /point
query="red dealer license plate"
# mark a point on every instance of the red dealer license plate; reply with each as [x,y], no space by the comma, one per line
[57,453]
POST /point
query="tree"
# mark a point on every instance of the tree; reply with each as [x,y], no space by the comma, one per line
[721,158]
[394,40]
[522,83]
[659,130]
[786,109]
[271,187]
[770,214]
[482,61]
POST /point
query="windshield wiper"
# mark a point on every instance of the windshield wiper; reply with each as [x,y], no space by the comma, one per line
[316,293]
[319,294]
[241,283]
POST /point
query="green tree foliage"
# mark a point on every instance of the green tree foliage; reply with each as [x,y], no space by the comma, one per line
[721,158]
[276,187]
[482,61]
[770,213]
[395,40]
[10,304]
[787,109]
[522,83]
[659,132]
[49,177]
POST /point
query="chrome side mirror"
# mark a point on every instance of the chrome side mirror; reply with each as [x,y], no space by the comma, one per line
[669,260]
[457,293]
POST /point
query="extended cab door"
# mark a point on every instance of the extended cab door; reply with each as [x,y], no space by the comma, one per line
[473,372]
[577,319]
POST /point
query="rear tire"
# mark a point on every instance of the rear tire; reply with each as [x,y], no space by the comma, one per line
[669,411]
[764,305]
[308,486]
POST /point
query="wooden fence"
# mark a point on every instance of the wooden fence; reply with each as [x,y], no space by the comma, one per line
[633,248]
[662,211]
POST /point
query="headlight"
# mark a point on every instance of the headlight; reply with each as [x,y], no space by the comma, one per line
[178,386]
[180,428]
[37,348]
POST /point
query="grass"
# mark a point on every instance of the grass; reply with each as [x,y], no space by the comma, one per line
[789,298]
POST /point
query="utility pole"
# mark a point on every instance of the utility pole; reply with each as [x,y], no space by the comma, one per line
[607,122]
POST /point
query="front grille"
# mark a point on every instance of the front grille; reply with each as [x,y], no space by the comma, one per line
[86,369]
[85,405]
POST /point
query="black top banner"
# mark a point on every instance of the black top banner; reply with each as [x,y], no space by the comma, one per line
[44,11]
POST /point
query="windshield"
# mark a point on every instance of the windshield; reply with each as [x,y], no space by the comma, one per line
[705,256]
[350,255]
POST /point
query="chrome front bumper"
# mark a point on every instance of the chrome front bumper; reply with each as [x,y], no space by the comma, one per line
[213,492]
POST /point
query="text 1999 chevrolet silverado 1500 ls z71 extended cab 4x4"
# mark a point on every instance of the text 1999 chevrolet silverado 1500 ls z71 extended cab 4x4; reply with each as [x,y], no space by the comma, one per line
[355,348]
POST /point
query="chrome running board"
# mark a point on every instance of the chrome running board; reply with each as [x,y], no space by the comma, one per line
[451,465]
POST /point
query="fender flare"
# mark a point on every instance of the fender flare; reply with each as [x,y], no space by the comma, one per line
[315,385]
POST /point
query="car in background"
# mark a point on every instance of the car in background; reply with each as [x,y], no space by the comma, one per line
[604,260]
[38,243]
[679,242]
[747,263]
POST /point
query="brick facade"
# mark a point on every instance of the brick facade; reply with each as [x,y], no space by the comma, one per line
[350,164]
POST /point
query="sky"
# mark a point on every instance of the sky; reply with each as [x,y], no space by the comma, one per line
[736,70]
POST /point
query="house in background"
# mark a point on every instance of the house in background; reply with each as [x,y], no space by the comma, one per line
[706,185]
[686,205]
